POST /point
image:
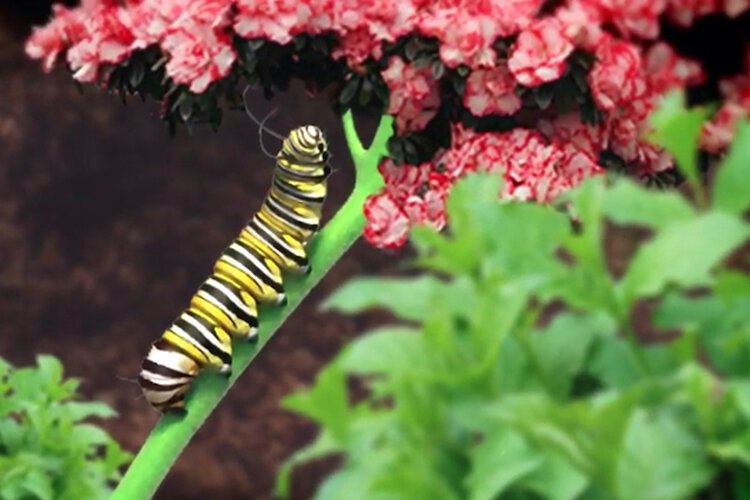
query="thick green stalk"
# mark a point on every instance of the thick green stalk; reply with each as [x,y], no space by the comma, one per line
[172,433]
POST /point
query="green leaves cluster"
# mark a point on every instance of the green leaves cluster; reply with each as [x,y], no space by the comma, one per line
[516,371]
[47,451]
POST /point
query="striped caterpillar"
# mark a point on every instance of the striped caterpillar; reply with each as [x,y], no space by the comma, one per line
[247,274]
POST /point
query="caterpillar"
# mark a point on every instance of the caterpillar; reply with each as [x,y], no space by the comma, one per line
[247,275]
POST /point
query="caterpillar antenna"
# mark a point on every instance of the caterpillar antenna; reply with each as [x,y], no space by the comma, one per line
[261,124]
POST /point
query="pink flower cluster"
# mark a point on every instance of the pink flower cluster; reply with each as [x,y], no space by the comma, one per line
[631,72]
[718,132]
[192,34]
[533,167]
[626,83]
[413,95]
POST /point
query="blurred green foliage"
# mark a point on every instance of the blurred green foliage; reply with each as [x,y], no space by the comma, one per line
[517,372]
[47,451]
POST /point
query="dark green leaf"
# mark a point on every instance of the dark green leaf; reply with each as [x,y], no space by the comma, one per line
[365,93]
[136,73]
[350,90]
[543,96]
[255,44]
[437,69]
[186,108]
[380,89]
[740,477]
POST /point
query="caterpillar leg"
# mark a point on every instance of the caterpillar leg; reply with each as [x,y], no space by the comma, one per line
[256,274]
[199,337]
[287,252]
[166,375]
[224,301]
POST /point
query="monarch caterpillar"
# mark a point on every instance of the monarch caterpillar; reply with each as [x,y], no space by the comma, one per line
[247,274]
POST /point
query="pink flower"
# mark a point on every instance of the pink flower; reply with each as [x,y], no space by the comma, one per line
[213,13]
[434,200]
[581,21]
[151,19]
[533,164]
[415,209]
[684,12]
[387,225]
[467,29]
[734,8]
[616,77]
[513,15]
[577,165]
[540,53]
[533,169]
[357,46]
[276,20]
[666,70]
[385,20]
[106,38]
[198,56]
[413,97]
[420,191]
[736,88]
[470,152]
[568,130]
[638,18]
[717,133]
[628,139]
[402,181]
[47,42]
[490,91]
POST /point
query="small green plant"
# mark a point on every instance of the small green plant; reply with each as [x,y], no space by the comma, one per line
[518,373]
[47,451]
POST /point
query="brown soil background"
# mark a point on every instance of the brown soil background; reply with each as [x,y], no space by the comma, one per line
[106,227]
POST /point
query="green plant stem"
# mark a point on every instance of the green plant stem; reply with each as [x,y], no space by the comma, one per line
[172,433]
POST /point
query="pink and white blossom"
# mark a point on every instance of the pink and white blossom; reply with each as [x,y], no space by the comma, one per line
[491,91]
[198,56]
[540,53]
[387,225]
[414,97]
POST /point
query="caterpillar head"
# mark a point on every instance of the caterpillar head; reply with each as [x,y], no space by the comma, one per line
[307,144]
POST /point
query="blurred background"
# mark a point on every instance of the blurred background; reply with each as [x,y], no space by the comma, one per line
[107,225]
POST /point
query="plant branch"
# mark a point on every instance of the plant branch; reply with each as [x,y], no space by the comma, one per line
[172,433]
